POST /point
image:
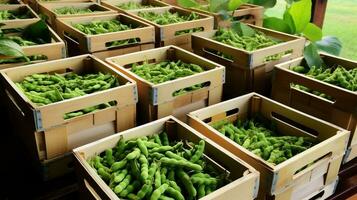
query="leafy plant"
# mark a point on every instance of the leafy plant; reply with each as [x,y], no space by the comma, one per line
[296,20]
[10,46]
[214,6]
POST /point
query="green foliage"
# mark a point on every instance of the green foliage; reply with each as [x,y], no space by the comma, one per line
[330,44]
[296,20]
[312,32]
[214,6]
[265,3]
[37,33]
[277,24]
[10,48]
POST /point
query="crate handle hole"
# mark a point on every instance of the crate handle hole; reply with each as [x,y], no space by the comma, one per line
[243,17]
[207,120]
[311,132]
[189,31]
[305,90]
[122,43]
[138,63]
[70,37]
[301,170]
[89,110]
[191,88]
[218,54]
[234,111]
[318,196]
[14,102]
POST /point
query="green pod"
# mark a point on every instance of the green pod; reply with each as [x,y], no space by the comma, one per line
[163,172]
[204,180]
[174,185]
[201,192]
[122,185]
[199,151]
[152,170]
[170,191]
[157,139]
[120,176]
[157,181]
[135,171]
[103,174]
[109,156]
[151,145]
[163,197]
[159,191]
[134,154]
[119,165]
[171,175]
[142,147]
[120,147]
[143,191]
[185,179]
[170,154]
[130,188]
[180,163]
[164,139]
[161,149]
[157,155]
[144,168]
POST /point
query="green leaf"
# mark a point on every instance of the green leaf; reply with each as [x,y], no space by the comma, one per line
[330,44]
[301,14]
[37,32]
[265,3]
[234,4]
[242,29]
[276,24]
[187,3]
[10,48]
[289,21]
[218,5]
[312,56]
[312,32]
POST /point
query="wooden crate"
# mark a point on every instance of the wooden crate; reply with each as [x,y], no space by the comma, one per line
[244,177]
[97,43]
[54,50]
[43,128]
[246,13]
[22,8]
[165,34]
[112,4]
[290,175]
[34,3]
[47,10]
[248,71]
[157,101]
[342,110]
